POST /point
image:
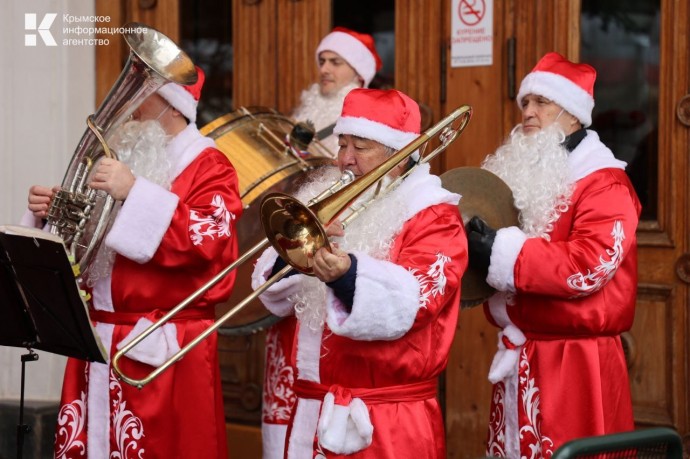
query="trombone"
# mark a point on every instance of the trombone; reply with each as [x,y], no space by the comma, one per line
[297,231]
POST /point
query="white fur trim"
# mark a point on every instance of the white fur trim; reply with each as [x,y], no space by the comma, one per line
[98,400]
[504,253]
[505,361]
[385,304]
[275,298]
[273,440]
[186,146]
[510,410]
[373,130]
[181,99]
[590,156]
[353,51]
[308,354]
[144,218]
[156,348]
[344,429]
[421,190]
[102,294]
[301,443]
[498,309]
[571,97]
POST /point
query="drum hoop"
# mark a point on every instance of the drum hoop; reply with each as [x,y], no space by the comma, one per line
[229,126]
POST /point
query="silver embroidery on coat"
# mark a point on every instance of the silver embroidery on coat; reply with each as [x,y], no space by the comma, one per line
[594,280]
[217,224]
[433,282]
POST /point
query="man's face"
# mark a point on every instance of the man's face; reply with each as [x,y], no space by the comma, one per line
[362,155]
[151,108]
[334,73]
[538,112]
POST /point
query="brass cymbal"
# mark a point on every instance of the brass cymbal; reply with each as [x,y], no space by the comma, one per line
[484,195]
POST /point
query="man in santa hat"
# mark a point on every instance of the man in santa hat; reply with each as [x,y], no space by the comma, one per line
[566,277]
[174,231]
[346,60]
[376,323]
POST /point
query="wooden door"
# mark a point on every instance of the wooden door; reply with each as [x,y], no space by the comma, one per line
[658,345]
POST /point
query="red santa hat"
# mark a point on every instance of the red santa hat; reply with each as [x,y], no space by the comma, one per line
[386,116]
[356,48]
[566,83]
[184,99]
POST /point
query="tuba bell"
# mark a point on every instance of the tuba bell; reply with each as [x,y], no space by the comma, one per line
[79,214]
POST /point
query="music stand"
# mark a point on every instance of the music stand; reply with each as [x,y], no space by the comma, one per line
[41,306]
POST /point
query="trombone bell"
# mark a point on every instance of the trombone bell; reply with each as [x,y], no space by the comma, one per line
[293,230]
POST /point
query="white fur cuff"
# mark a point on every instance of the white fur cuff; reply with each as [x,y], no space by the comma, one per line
[275,298]
[156,348]
[385,304]
[144,218]
[504,253]
[344,429]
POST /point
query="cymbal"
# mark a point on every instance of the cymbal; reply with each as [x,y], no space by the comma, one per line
[488,197]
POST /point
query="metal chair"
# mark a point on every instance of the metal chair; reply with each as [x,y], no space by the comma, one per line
[659,442]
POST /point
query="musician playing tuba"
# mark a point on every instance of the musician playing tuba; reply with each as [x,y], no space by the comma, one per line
[174,231]
[377,321]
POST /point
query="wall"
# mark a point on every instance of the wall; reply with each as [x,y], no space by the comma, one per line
[47,93]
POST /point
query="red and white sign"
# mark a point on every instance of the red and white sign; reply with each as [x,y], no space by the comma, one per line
[472,28]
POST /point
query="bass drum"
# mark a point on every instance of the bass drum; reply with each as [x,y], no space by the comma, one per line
[254,141]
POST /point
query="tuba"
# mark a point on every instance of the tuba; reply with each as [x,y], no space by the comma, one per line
[79,214]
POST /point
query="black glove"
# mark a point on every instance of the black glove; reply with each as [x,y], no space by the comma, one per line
[480,240]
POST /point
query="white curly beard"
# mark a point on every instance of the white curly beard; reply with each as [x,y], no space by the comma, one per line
[535,167]
[322,110]
[140,145]
[372,232]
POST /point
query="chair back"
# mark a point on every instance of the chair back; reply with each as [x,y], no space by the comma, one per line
[658,442]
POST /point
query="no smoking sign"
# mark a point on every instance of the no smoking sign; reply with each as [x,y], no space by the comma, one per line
[471,12]
[472,33]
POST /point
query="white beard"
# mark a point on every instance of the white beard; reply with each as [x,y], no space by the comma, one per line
[535,167]
[372,232]
[321,110]
[140,145]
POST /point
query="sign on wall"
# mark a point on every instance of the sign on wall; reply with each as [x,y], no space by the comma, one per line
[471,33]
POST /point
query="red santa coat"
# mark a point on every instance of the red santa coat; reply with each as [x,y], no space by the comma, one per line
[168,243]
[560,372]
[366,384]
[279,376]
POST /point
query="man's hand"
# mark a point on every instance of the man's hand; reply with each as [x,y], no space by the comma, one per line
[113,177]
[39,200]
[329,266]
[480,240]
[335,229]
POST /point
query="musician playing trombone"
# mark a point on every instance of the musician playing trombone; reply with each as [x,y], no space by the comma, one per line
[566,277]
[377,320]
[174,231]
[346,60]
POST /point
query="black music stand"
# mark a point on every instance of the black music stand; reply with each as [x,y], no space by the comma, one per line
[40,304]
